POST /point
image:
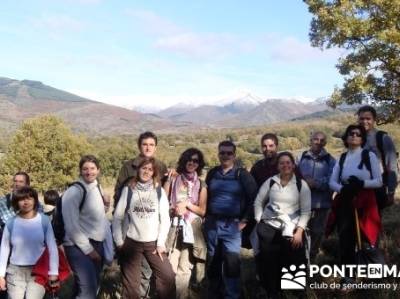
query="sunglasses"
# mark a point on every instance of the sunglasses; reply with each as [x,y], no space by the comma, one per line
[356,134]
[196,161]
[222,153]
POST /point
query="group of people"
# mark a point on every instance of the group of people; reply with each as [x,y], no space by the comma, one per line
[169,225]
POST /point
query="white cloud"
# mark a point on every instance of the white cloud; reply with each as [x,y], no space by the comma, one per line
[182,41]
[206,45]
[290,49]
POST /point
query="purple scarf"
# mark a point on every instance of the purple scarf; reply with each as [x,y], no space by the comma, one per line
[192,183]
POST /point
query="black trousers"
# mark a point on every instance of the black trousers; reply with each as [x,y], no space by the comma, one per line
[275,252]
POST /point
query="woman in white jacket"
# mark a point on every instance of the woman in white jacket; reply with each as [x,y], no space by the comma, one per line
[282,209]
[355,178]
[147,209]
[25,238]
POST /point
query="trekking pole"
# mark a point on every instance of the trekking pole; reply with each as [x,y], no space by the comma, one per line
[357,229]
[177,230]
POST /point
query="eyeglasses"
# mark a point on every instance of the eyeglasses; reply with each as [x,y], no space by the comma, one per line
[356,134]
[194,160]
[222,153]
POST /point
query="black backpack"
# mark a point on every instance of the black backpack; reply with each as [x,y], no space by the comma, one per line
[364,161]
[379,145]
[58,221]
[381,195]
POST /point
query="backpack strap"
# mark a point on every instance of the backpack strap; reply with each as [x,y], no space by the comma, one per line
[84,193]
[159,193]
[45,224]
[8,200]
[303,155]
[272,182]
[210,175]
[327,158]
[128,199]
[45,221]
[10,225]
[237,173]
[379,145]
[298,183]
[119,191]
[341,163]
[101,193]
[365,160]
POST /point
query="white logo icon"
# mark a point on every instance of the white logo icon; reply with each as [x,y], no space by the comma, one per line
[292,279]
[375,271]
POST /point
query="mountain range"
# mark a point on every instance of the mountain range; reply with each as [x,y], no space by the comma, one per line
[248,110]
[24,99]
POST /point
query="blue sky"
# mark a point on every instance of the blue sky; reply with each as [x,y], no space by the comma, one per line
[158,53]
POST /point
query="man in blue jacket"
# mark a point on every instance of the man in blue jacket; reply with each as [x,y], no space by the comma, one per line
[316,165]
[231,192]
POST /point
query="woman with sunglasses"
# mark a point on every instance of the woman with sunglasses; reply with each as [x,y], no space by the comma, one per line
[188,200]
[355,176]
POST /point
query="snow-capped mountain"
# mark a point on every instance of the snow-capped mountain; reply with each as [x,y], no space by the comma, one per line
[244,109]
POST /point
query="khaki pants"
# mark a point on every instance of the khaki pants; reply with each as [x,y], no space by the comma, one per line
[181,258]
[21,284]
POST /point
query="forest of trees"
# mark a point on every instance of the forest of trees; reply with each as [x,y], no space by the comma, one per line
[49,150]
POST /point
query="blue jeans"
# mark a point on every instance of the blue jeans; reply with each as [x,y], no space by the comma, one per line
[86,271]
[223,256]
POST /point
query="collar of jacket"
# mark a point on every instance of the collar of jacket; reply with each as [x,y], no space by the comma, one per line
[320,155]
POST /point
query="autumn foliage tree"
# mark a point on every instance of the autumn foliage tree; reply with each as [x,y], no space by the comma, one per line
[369,31]
[47,150]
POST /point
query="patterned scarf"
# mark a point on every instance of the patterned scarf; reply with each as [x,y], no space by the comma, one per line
[146,186]
[192,184]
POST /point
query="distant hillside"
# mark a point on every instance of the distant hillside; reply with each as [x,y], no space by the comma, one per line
[24,99]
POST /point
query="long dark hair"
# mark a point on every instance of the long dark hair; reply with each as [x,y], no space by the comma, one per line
[186,156]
